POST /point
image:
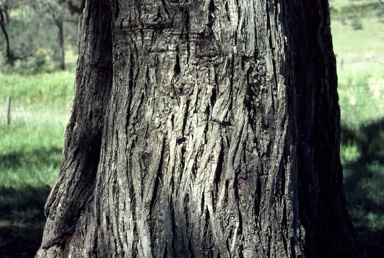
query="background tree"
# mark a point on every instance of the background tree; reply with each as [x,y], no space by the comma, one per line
[56,13]
[37,34]
[10,56]
[202,129]
[3,22]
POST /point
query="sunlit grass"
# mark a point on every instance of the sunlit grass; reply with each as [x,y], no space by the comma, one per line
[361,93]
[40,90]
[365,43]
[30,147]
[30,157]
[30,154]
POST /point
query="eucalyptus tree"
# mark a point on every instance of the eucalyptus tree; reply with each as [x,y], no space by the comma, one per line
[11,53]
[30,28]
[57,13]
[206,128]
[4,17]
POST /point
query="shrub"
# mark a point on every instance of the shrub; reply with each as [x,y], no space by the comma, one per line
[356,23]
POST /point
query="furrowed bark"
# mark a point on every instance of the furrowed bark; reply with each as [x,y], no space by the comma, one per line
[218,135]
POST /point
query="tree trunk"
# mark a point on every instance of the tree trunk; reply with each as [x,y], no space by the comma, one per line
[202,129]
[60,36]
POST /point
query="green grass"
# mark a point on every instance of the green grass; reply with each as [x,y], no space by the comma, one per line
[30,154]
[359,45]
[360,56]
[31,145]
[361,92]
[40,90]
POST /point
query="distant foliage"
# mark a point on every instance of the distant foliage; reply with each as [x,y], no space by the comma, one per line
[361,9]
[33,31]
[36,63]
[380,13]
[355,11]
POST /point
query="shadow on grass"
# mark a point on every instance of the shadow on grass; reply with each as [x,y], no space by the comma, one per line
[43,156]
[22,203]
[21,220]
[364,184]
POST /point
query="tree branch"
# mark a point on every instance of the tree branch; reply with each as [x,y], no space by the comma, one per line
[2,25]
[74,8]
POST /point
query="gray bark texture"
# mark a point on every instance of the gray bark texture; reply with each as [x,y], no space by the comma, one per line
[205,128]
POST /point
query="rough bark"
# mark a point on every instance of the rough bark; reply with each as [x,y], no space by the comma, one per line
[202,129]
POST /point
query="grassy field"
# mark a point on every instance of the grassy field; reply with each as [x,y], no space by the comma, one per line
[30,149]
[360,55]
[30,154]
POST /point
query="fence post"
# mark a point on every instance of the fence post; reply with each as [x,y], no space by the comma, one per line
[8,110]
